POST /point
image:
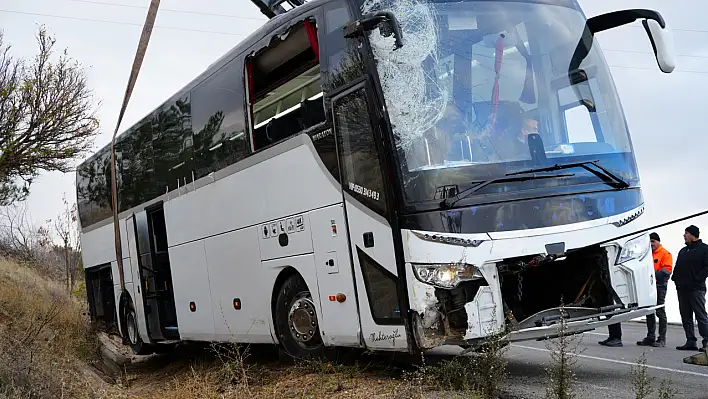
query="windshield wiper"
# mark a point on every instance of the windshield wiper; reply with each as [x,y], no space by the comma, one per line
[450,202]
[607,177]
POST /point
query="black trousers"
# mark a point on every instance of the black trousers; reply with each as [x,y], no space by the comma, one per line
[615,330]
[693,302]
[661,314]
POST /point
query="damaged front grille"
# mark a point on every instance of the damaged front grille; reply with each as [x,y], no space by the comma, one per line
[533,285]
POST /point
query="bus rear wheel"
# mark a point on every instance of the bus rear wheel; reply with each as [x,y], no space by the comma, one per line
[296,320]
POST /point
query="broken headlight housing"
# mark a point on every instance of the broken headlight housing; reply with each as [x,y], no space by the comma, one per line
[446,275]
[636,248]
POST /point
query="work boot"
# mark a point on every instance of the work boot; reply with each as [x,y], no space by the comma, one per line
[688,346]
[611,342]
[646,342]
[704,348]
[659,343]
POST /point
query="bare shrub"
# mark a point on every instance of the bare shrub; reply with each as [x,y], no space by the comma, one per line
[490,365]
[560,373]
[667,390]
[641,380]
[234,370]
[450,376]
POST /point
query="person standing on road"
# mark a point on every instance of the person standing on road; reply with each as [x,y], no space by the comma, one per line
[615,337]
[662,272]
[690,275]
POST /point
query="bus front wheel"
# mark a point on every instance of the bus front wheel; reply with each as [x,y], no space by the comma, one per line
[136,343]
[296,320]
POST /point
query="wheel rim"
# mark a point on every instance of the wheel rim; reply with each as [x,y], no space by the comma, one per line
[132,333]
[302,319]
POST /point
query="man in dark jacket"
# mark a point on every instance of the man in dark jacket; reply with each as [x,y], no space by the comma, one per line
[690,275]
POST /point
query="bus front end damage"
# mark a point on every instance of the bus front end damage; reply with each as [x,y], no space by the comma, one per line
[489,290]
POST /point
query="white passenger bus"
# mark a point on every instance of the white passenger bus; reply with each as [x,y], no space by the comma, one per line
[393,175]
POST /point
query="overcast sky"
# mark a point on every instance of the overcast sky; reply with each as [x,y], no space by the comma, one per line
[665,113]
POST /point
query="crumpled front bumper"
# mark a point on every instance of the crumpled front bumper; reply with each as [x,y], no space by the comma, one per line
[577,320]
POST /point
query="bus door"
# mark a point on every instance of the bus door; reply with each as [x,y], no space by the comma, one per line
[148,246]
[135,270]
[367,214]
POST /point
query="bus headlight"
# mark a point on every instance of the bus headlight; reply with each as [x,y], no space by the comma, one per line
[636,248]
[446,275]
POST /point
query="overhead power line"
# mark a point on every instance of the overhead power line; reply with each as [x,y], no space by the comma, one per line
[674,29]
[654,69]
[36,14]
[242,35]
[104,3]
[652,54]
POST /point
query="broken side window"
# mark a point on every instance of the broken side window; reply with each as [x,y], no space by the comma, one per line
[284,86]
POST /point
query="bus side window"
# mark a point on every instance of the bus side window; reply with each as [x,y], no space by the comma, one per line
[172,139]
[284,88]
[94,193]
[218,123]
[361,169]
[343,62]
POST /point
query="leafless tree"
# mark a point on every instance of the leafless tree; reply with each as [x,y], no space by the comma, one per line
[66,228]
[19,237]
[47,116]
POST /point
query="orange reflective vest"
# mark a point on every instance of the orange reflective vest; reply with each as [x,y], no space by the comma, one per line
[662,259]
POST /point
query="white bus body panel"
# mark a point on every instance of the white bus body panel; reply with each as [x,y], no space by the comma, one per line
[190,280]
[340,328]
[235,273]
[98,246]
[287,184]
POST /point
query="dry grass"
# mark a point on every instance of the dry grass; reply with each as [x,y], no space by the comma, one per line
[45,339]
[235,375]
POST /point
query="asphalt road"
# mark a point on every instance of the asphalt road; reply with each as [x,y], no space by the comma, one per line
[604,372]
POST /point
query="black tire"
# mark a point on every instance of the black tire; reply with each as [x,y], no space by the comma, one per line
[295,296]
[136,343]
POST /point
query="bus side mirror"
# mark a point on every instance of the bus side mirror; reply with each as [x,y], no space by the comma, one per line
[663,43]
[659,33]
[384,20]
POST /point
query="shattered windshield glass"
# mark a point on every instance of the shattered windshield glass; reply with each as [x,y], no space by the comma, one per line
[481,86]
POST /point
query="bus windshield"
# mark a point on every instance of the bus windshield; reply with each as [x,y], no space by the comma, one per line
[481,89]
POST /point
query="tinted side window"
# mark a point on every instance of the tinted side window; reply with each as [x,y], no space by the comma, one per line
[218,120]
[95,189]
[136,168]
[125,178]
[172,140]
[361,170]
[83,197]
[343,61]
